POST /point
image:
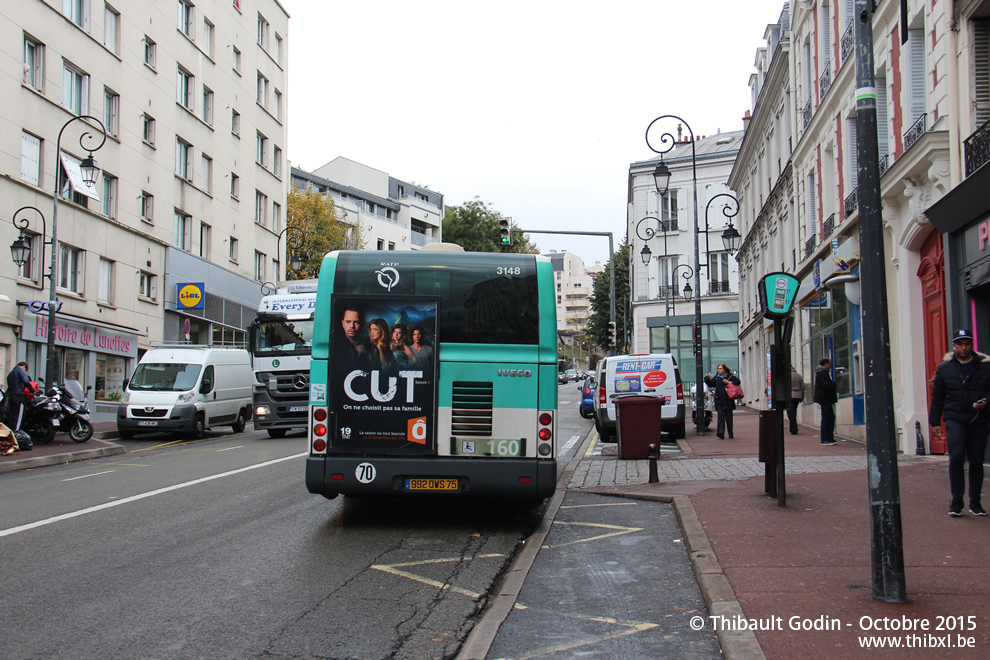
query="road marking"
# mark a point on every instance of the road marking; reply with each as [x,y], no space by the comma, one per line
[394,570]
[563,403]
[229,448]
[620,532]
[134,498]
[631,628]
[588,506]
[173,443]
[86,476]
[570,443]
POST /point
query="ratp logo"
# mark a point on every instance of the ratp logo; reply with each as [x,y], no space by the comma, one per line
[387,277]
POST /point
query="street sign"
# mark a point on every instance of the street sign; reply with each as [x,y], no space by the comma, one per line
[777,292]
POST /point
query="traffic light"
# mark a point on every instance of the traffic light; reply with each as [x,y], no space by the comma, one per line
[505,231]
[611,332]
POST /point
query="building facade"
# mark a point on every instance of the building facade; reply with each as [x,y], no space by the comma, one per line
[193,99]
[661,234]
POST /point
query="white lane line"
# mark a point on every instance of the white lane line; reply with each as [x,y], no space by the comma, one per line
[86,476]
[570,443]
[229,448]
[134,498]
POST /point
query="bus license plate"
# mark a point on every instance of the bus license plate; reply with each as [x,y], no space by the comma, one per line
[147,423]
[298,408]
[431,484]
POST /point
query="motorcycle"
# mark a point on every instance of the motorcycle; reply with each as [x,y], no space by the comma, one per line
[41,418]
[74,418]
[708,406]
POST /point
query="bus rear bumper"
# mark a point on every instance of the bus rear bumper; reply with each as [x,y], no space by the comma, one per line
[522,479]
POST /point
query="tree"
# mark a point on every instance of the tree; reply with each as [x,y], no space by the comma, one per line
[597,327]
[323,231]
[474,226]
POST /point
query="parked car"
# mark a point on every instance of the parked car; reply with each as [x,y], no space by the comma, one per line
[654,375]
[572,376]
[588,391]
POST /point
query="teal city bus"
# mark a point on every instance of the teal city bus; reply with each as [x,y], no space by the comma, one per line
[434,371]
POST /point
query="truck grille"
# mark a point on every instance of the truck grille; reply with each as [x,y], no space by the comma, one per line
[471,408]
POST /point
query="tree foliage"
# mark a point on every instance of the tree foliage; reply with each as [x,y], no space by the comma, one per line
[474,226]
[321,231]
[597,328]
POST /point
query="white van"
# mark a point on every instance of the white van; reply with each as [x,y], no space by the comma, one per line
[655,374]
[187,389]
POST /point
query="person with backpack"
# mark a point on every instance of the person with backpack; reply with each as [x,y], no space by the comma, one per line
[724,404]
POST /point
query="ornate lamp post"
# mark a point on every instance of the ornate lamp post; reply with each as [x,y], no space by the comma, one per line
[295,239]
[646,233]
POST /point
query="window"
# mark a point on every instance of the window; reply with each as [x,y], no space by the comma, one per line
[235,122]
[77,11]
[150,51]
[72,187]
[205,232]
[381,243]
[262,151]
[75,89]
[31,270]
[260,208]
[262,91]
[111,28]
[147,207]
[111,111]
[148,129]
[187,19]
[883,134]
[235,186]
[276,217]
[277,162]
[981,74]
[181,230]
[262,32]
[148,286]
[917,97]
[208,105]
[206,174]
[30,159]
[183,159]
[109,200]
[71,270]
[34,63]
[391,245]
[278,105]
[278,48]
[718,272]
[260,258]
[208,32]
[232,254]
[237,59]
[185,88]
[105,289]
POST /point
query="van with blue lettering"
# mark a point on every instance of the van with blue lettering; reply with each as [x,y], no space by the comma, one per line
[654,374]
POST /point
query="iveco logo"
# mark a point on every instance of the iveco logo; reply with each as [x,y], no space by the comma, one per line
[518,373]
[300,381]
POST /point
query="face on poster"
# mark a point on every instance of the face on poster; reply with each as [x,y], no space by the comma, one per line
[383,373]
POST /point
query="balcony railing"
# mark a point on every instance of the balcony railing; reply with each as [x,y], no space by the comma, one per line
[848,42]
[420,240]
[809,246]
[977,148]
[852,202]
[828,227]
[917,129]
[807,114]
[826,80]
[720,286]
[668,290]
[884,164]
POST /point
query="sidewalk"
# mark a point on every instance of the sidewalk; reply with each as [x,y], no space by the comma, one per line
[812,559]
[63,450]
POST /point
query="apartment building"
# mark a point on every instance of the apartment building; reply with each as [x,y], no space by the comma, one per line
[661,234]
[193,98]
[390,214]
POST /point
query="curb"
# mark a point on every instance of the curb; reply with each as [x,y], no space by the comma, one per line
[58,459]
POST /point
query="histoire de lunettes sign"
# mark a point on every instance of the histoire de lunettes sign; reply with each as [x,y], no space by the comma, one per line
[86,337]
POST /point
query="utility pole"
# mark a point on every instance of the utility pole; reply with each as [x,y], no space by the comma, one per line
[881,436]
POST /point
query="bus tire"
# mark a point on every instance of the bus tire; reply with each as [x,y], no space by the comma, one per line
[276,433]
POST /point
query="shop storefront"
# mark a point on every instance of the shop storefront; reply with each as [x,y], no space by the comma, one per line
[96,354]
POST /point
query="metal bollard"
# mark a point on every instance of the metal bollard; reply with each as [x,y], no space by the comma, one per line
[653,453]
[919,439]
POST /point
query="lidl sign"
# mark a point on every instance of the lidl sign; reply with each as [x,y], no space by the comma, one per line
[777,292]
[191,296]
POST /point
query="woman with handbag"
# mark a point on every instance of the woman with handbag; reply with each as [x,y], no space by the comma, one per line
[724,404]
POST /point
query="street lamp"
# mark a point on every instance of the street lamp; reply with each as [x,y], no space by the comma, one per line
[661,176]
[20,249]
[646,233]
[296,238]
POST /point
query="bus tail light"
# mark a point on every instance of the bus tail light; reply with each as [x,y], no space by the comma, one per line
[319,431]
[320,444]
[545,434]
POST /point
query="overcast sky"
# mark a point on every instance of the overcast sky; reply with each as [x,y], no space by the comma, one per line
[536,107]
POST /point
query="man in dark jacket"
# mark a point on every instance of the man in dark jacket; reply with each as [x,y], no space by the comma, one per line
[17,380]
[825,397]
[959,396]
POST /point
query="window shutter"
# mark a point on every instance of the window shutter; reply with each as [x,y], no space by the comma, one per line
[981,70]
[853,153]
[812,206]
[916,65]
[826,37]
[883,136]
[30,158]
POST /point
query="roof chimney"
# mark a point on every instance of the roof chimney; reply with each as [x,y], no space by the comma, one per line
[746,119]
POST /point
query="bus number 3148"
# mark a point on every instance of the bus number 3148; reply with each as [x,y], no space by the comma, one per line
[503,447]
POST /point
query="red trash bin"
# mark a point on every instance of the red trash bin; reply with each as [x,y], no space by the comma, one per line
[637,421]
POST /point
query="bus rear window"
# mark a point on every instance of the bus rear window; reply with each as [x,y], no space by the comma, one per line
[484,298]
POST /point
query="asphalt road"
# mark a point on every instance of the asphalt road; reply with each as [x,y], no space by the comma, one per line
[214,548]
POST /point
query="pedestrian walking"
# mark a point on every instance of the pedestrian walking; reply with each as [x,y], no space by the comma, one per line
[797,396]
[723,404]
[959,396]
[825,396]
[17,381]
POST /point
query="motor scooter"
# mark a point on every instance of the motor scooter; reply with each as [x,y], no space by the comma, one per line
[41,418]
[74,419]
[708,406]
